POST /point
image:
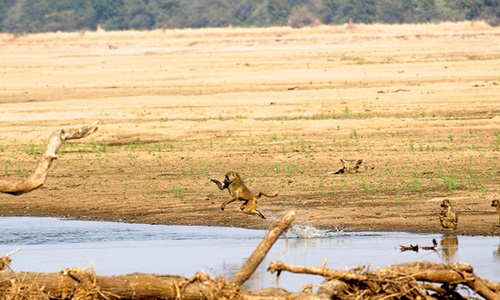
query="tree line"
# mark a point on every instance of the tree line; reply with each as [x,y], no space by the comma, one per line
[32,16]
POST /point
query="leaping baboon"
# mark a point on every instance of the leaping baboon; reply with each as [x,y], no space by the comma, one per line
[496,203]
[238,191]
[448,217]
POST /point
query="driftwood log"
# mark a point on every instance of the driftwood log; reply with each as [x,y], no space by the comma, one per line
[38,177]
[359,167]
[408,280]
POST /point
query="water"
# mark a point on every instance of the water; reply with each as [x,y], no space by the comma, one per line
[50,245]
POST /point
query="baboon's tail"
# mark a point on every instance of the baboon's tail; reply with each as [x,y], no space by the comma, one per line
[260,194]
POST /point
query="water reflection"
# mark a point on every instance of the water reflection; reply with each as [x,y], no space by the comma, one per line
[449,246]
[497,252]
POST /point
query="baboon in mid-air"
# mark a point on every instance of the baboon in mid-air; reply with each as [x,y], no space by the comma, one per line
[448,217]
[496,204]
[238,191]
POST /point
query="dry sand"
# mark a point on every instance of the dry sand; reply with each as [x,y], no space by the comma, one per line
[282,106]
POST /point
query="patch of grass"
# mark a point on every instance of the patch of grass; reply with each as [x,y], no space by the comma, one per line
[31,150]
[346,112]
[353,134]
[450,181]
[356,59]
[178,192]
[497,140]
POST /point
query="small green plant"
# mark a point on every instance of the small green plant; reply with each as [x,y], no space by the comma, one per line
[412,146]
[414,185]
[354,134]
[31,150]
[178,192]
[497,140]
[288,170]
[450,181]
[346,111]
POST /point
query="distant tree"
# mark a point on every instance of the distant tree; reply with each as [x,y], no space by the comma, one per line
[26,16]
[169,13]
[68,15]
[389,12]
[426,11]
[4,8]
[138,14]
[209,13]
[330,9]
[109,14]
[301,17]
[360,11]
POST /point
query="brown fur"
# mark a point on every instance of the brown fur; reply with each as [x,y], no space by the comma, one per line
[448,217]
[496,203]
[238,191]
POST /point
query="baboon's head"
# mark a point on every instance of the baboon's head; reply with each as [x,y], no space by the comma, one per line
[446,203]
[495,203]
[230,177]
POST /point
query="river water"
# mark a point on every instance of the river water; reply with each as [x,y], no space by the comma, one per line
[51,244]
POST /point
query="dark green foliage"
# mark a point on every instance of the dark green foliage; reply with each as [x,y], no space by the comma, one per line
[26,16]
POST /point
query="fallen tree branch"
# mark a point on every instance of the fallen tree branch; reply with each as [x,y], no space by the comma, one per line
[77,283]
[401,279]
[261,251]
[37,179]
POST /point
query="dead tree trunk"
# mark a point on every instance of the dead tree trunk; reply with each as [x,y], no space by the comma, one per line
[37,179]
[260,253]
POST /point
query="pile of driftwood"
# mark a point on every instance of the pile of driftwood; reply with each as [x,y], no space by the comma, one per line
[417,280]
[359,167]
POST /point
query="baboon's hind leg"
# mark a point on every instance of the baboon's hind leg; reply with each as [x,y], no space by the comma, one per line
[250,208]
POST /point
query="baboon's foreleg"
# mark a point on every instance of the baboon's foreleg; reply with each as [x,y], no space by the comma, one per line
[219,184]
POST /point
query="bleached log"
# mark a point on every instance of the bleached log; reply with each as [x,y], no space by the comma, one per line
[38,177]
[72,284]
[262,249]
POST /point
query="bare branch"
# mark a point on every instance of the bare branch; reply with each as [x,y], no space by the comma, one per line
[37,179]
[261,251]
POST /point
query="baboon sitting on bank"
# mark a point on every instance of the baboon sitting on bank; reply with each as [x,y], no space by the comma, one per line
[448,217]
[496,203]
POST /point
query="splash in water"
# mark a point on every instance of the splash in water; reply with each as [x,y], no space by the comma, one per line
[304,231]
